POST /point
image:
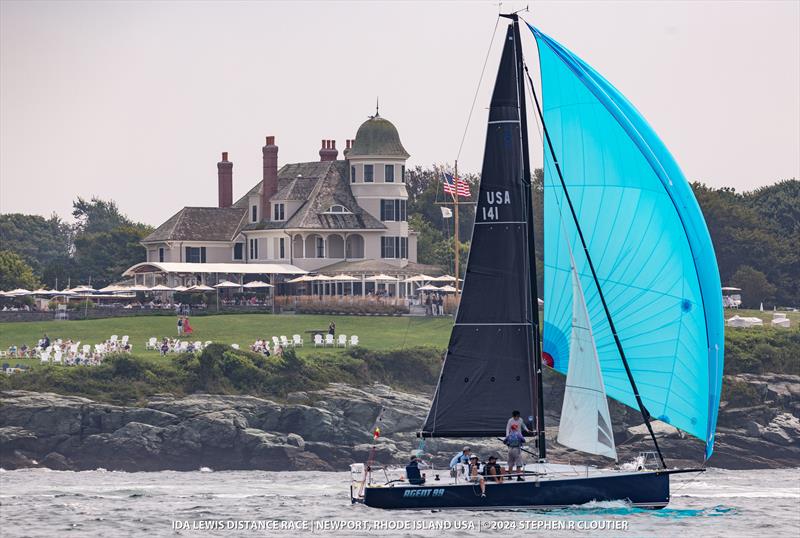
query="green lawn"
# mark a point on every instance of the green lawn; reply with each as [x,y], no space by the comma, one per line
[765,316]
[374,332]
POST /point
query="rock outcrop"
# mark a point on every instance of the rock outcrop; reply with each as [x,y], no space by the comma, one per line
[330,428]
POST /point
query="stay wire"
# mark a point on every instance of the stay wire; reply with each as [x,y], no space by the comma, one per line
[477,89]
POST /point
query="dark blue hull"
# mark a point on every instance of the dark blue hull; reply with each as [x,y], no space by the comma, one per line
[642,489]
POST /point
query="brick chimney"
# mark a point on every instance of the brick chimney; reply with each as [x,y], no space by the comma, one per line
[225,181]
[270,181]
[328,151]
[348,148]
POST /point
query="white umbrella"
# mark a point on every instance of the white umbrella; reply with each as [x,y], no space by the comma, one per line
[428,288]
[200,287]
[345,278]
[382,278]
[161,287]
[227,284]
[257,284]
[83,289]
[419,278]
[65,292]
[304,278]
[42,291]
[731,288]
[445,278]
[320,278]
[135,288]
[447,289]
[18,292]
[180,288]
[111,288]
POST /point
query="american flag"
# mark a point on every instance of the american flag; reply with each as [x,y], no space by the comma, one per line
[455,186]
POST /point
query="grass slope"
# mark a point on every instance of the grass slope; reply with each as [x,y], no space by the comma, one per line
[375,332]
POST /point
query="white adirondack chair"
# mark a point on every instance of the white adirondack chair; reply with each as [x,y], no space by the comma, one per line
[184,347]
[45,357]
[329,340]
[285,342]
[124,340]
[152,343]
[74,348]
[87,349]
[275,341]
[342,341]
[297,341]
[207,343]
[353,340]
[114,338]
[318,340]
[57,357]
[235,346]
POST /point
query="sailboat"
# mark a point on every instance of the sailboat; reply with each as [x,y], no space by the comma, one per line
[631,287]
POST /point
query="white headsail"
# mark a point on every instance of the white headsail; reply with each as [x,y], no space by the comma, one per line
[585,422]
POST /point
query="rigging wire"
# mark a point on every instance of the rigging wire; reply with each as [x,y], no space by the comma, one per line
[477,89]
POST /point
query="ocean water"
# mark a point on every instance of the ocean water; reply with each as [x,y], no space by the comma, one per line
[98,503]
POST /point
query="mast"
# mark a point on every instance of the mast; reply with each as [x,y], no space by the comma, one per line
[455,221]
[534,313]
[601,295]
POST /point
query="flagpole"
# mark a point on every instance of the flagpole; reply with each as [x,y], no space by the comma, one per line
[455,220]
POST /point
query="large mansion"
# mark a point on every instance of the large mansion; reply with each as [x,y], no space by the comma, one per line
[334,215]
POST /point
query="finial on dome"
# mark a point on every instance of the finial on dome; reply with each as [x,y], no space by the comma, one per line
[377,106]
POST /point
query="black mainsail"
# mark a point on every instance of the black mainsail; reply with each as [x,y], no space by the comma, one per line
[493,357]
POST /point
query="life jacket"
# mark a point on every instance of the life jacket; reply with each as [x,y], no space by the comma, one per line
[413,475]
[515,440]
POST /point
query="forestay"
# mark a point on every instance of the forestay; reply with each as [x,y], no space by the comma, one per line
[648,241]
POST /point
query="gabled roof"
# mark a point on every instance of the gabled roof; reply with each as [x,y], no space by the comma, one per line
[200,224]
[320,185]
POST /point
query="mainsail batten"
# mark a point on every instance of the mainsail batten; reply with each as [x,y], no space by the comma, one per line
[488,367]
[651,249]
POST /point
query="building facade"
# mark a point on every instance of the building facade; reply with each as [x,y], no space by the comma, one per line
[329,214]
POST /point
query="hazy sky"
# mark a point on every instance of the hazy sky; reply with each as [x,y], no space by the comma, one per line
[134,101]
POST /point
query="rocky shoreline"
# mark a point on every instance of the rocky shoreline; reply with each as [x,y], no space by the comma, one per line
[330,428]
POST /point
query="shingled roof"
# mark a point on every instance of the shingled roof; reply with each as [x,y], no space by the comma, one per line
[200,224]
[319,185]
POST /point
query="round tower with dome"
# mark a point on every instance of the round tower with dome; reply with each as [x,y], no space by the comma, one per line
[377,166]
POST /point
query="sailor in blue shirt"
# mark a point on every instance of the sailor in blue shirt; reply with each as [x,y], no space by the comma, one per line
[461,457]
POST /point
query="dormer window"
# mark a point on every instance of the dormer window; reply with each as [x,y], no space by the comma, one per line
[337,209]
[254,213]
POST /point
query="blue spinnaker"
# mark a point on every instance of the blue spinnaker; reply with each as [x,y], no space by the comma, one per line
[647,239]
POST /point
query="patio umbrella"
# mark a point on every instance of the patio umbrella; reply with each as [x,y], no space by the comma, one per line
[180,288]
[200,287]
[304,278]
[227,284]
[428,288]
[731,288]
[135,288]
[83,289]
[161,287]
[446,278]
[42,291]
[382,278]
[345,278]
[18,292]
[447,289]
[419,278]
[111,288]
[65,293]
[320,278]
[257,284]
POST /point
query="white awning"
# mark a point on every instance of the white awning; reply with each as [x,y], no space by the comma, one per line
[205,268]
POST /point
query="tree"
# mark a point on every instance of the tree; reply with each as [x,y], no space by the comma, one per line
[104,256]
[44,244]
[15,273]
[755,286]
